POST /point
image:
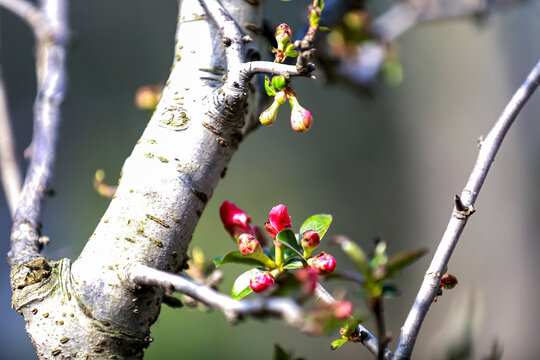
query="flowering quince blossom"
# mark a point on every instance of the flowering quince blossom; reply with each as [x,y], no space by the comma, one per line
[247,244]
[237,222]
[278,220]
[261,281]
[324,263]
[343,310]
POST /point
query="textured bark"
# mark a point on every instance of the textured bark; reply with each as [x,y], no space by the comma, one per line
[88,308]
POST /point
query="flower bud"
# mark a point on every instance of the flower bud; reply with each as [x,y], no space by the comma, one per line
[283,35]
[278,220]
[343,310]
[309,278]
[324,263]
[261,281]
[247,244]
[268,116]
[310,241]
[279,82]
[234,220]
[448,281]
[280,97]
[301,119]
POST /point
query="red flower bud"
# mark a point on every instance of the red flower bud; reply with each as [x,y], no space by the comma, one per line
[343,310]
[448,281]
[301,119]
[324,263]
[261,281]
[283,35]
[247,244]
[234,220]
[310,239]
[278,220]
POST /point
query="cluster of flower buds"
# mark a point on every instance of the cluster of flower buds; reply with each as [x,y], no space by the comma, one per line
[279,87]
[249,237]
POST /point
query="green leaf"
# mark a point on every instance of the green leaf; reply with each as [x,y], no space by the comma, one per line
[268,86]
[402,259]
[325,29]
[241,285]
[236,257]
[380,257]
[294,263]
[287,238]
[291,53]
[320,223]
[356,254]
[336,344]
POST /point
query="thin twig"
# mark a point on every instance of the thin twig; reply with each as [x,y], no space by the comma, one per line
[9,167]
[26,11]
[366,338]
[234,310]
[458,219]
[51,86]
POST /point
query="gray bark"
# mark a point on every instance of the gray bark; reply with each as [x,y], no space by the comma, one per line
[88,308]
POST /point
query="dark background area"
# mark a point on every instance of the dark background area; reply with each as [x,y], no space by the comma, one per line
[384,166]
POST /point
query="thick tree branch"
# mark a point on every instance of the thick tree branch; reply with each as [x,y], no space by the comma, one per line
[9,168]
[51,86]
[234,310]
[460,214]
[366,338]
[27,12]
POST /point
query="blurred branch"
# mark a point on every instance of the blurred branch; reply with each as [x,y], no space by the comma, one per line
[51,86]
[26,11]
[9,168]
[234,310]
[366,338]
[363,66]
[462,210]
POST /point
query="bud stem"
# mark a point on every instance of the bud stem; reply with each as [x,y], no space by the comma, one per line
[280,255]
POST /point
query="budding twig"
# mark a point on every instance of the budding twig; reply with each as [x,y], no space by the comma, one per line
[486,156]
[366,338]
[285,308]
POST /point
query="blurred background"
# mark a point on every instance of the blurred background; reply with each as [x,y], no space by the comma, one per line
[387,165]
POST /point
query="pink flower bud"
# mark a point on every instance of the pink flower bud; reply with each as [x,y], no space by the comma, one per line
[283,35]
[278,220]
[261,281]
[234,220]
[310,239]
[301,119]
[343,310]
[268,116]
[247,244]
[324,263]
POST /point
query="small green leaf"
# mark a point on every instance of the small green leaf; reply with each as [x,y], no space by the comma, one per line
[320,223]
[287,238]
[325,29]
[356,254]
[336,344]
[380,257]
[402,259]
[268,87]
[294,263]
[236,257]
[241,286]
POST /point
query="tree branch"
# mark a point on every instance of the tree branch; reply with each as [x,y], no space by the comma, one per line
[50,69]
[366,338]
[234,310]
[460,214]
[9,168]
[27,12]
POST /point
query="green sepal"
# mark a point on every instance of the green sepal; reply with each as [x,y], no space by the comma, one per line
[236,257]
[319,222]
[336,344]
[294,263]
[268,86]
[291,54]
[287,238]
[241,286]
